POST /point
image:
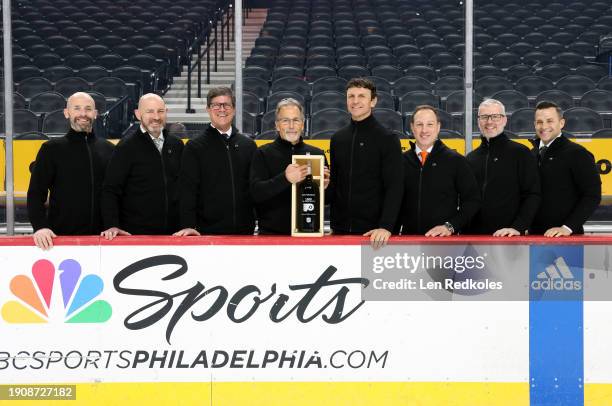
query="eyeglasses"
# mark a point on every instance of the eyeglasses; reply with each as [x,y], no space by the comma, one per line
[492,117]
[287,121]
[219,106]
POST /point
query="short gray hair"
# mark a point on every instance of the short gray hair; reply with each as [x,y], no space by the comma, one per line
[493,102]
[287,103]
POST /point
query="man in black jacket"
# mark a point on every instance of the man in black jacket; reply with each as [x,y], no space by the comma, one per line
[366,170]
[571,186]
[272,172]
[440,191]
[506,173]
[214,177]
[69,170]
[139,195]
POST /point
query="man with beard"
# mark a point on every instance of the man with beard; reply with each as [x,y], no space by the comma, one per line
[69,170]
[506,173]
[214,177]
[273,173]
[440,191]
[139,194]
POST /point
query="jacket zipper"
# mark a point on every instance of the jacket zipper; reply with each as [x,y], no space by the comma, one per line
[420,198]
[231,167]
[163,166]
[486,171]
[350,191]
[91,177]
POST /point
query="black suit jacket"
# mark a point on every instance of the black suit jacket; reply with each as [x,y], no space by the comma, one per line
[571,187]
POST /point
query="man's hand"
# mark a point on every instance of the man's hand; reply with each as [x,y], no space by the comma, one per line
[185,232]
[113,232]
[378,237]
[557,232]
[506,232]
[296,173]
[326,177]
[438,231]
[43,238]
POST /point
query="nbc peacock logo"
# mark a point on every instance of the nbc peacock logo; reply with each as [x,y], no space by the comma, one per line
[36,302]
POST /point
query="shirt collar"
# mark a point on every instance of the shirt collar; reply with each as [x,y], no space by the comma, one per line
[418,150]
[227,134]
[161,135]
[542,145]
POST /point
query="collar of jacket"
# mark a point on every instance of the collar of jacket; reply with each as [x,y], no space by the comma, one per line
[491,142]
[286,144]
[437,147]
[216,133]
[77,135]
[146,135]
[559,141]
[366,122]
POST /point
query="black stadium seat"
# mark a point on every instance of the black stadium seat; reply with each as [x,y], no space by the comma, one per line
[511,99]
[328,99]
[273,100]
[329,83]
[390,119]
[68,86]
[46,102]
[531,86]
[268,121]
[554,71]
[92,73]
[292,84]
[521,121]
[582,120]
[575,85]
[562,99]
[491,84]
[55,124]
[33,86]
[455,102]
[328,121]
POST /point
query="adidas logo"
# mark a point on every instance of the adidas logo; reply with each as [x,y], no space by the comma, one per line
[557,276]
[35,294]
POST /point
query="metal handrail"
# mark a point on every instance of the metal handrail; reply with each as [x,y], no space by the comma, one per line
[210,42]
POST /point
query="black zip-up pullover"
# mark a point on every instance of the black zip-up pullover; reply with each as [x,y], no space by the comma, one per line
[366,177]
[214,184]
[140,189]
[270,188]
[571,186]
[70,170]
[506,173]
[443,190]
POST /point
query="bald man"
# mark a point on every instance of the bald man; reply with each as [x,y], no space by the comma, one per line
[139,194]
[69,170]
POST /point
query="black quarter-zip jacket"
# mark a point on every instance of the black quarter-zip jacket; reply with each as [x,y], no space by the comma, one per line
[507,175]
[443,190]
[140,189]
[214,183]
[70,170]
[366,186]
[571,186]
[270,188]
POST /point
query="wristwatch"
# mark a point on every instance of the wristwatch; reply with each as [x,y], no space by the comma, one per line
[450,227]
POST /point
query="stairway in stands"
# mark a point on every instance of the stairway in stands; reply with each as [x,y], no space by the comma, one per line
[176,97]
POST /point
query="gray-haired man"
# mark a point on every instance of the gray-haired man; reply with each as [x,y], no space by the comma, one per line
[272,172]
[507,175]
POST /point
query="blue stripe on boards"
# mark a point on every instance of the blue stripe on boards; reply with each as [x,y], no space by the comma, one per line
[556,346]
